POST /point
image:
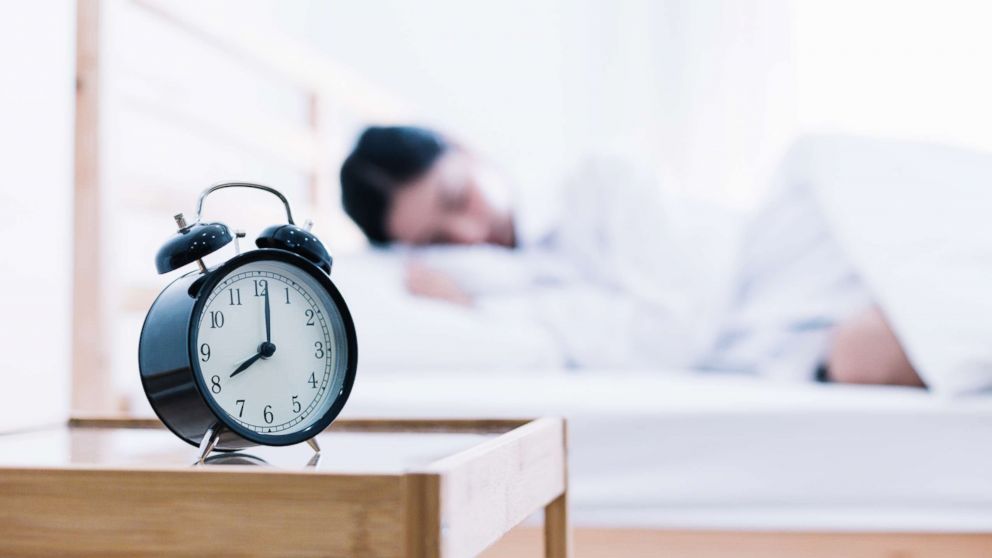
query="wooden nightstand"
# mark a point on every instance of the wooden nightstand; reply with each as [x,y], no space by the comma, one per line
[382,488]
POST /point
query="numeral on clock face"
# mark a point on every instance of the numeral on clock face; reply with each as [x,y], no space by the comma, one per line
[261,287]
[216,319]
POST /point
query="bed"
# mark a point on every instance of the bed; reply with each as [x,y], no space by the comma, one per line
[663,459]
[666,449]
[696,461]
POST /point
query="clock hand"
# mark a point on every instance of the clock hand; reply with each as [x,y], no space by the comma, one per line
[265,350]
[268,321]
[244,365]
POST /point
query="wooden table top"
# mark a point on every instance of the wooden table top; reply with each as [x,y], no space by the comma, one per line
[382,488]
[343,450]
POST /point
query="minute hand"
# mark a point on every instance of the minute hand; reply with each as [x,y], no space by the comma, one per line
[268,320]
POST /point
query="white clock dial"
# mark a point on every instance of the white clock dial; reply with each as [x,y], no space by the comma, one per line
[278,379]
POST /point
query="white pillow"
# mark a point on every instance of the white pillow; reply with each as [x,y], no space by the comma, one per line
[397,331]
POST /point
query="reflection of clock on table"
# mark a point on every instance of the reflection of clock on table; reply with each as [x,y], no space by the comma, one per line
[258,350]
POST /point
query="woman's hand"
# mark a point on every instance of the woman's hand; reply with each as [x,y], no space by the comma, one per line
[430,283]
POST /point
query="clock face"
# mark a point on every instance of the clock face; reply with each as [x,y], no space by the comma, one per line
[271,348]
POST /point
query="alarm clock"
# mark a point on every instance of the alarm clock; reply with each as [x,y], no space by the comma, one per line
[259,350]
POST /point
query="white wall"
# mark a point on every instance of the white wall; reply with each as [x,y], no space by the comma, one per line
[728,96]
[914,69]
[496,74]
[711,91]
[704,90]
[36,110]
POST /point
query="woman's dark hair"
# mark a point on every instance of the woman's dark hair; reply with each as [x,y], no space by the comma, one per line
[385,159]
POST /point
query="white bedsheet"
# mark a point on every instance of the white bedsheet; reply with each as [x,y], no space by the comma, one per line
[671,450]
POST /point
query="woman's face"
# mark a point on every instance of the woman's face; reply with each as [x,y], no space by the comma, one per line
[448,206]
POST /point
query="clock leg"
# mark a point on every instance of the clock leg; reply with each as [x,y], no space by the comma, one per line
[315,460]
[209,442]
[312,442]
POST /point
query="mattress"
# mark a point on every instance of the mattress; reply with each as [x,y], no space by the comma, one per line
[673,450]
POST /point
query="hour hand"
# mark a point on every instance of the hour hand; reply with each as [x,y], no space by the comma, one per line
[244,365]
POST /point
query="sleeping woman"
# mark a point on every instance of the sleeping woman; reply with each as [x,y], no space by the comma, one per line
[630,276]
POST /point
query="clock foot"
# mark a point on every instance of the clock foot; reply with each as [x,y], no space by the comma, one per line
[315,460]
[209,442]
[312,442]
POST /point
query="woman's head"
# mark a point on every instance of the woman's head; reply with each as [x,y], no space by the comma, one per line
[410,185]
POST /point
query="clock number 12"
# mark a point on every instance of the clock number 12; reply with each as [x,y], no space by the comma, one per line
[261,287]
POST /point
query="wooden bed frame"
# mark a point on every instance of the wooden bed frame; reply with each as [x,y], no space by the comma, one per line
[655,543]
[329,90]
[330,87]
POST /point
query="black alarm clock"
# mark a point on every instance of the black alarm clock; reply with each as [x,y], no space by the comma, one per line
[259,350]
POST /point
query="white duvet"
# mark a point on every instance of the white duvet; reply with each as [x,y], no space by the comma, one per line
[915,220]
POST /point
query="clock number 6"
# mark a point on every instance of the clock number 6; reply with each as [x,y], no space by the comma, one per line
[267,414]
